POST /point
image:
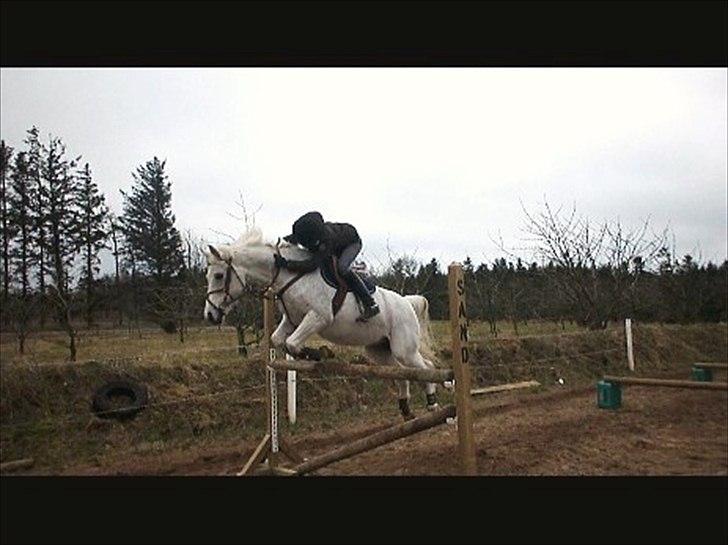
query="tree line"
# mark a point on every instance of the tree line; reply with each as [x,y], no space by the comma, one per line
[55,223]
[588,273]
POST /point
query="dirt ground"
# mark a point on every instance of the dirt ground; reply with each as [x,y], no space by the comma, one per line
[658,431]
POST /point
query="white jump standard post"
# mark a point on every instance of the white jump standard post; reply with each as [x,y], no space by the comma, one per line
[291,391]
[628,335]
[272,443]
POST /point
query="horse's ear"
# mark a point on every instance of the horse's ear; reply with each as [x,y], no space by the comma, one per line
[214,252]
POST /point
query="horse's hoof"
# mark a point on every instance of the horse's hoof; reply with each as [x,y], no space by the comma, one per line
[409,416]
[308,353]
[288,350]
[433,407]
[449,384]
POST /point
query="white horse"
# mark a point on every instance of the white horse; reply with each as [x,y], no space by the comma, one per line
[398,335]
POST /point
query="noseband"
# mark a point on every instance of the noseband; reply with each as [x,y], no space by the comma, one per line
[228,300]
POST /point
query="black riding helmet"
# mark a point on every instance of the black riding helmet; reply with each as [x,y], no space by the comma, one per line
[307,230]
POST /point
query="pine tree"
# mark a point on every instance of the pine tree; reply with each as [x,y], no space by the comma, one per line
[39,211]
[92,234]
[6,234]
[115,237]
[20,201]
[152,241]
[62,218]
[21,216]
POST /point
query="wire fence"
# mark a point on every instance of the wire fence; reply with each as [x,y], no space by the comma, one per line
[62,420]
[68,418]
[534,362]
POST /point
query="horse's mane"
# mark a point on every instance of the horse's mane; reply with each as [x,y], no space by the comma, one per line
[253,236]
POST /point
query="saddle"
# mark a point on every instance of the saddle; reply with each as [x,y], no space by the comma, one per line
[331,276]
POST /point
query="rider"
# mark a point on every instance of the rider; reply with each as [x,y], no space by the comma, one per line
[326,239]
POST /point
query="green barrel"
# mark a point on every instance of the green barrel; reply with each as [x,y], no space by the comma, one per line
[609,395]
[702,375]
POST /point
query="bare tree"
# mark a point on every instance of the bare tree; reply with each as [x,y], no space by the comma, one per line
[116,240]
[63,303]
[246,317]
[192,247]
[6,154]
[172,308]
[21,311]
[584,255]
[245,215]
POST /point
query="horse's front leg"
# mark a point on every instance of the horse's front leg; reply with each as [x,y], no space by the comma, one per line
[282,332]
[311,324]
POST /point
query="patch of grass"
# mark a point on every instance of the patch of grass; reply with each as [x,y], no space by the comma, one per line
[204,343]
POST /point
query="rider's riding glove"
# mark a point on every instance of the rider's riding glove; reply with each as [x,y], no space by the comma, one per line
[280,261]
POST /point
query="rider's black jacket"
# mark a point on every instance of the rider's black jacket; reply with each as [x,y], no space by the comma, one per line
[336,237]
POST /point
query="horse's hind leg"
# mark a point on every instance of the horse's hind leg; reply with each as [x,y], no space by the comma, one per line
[430,388]
[382,355]
[404,397]
[407,352]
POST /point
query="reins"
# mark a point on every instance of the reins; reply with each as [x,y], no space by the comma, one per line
[279,294]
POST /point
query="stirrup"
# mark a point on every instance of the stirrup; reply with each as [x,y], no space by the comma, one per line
[369,312]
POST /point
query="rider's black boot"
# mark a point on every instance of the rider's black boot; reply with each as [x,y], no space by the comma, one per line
[360,290]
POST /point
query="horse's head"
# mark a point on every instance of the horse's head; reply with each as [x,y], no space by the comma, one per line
[225,283]
[230,266]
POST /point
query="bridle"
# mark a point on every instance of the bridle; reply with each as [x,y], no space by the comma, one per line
[229,300]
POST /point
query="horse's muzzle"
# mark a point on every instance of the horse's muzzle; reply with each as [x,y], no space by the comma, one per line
[211,317]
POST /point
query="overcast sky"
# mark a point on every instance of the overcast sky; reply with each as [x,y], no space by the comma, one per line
[433,162]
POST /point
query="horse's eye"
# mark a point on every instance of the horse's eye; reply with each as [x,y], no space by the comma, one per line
[218,276]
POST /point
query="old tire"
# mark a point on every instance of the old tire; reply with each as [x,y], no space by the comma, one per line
[104,407]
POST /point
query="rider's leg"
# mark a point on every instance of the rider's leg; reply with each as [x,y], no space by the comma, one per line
[347,257]
[360,290]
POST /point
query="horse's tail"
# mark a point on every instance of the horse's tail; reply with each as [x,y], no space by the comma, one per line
[422,309]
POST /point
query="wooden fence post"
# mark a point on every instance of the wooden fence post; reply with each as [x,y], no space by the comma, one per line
[461,368]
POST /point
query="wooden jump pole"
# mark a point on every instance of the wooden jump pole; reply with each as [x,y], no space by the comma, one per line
[421,423]
[505,387]
[376,371]
[15,465]
[668,383]
[715,366]
[461,368]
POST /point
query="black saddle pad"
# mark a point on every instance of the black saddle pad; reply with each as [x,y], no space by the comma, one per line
[327,273]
